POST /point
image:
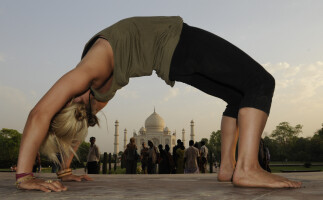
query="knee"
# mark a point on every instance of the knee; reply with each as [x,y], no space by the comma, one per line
[272,81]
[268,84]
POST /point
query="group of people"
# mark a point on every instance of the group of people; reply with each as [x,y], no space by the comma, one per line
[151,157]
[190,160]
[159,160]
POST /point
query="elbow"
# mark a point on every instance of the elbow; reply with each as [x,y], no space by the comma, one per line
[37,114]
[34,113]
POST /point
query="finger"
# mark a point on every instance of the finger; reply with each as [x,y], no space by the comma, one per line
[59,185]
[77,178]
[51,187]
[41,187]
[298,184]
[87,178]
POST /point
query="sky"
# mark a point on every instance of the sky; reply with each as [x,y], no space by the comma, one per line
[41,40]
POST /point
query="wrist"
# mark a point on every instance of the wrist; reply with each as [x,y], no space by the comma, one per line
[23,177]
[64,172]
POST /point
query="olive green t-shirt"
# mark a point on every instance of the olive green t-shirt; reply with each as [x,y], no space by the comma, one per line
[140,45]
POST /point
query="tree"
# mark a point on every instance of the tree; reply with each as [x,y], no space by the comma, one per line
[283,135]
[316,146]
[9,147]
[298,149]
[214,144]
[81,153]
[319,133]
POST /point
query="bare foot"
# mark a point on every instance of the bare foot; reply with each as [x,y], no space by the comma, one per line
[257,177]
[225,173]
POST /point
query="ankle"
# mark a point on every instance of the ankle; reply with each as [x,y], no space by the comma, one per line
[247,166]
[228,163]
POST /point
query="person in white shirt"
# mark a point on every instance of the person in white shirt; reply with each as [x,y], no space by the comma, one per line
[190,159]
[204,152]
[93,158]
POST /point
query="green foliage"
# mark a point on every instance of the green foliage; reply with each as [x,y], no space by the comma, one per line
[214,144]
[82,153]
[9,147]
[316,145]
[285,135]
[284,132]
[283,144]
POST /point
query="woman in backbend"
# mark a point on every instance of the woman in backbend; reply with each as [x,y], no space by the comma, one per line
[135,47]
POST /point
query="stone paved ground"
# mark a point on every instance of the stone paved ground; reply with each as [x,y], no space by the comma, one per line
[155,187]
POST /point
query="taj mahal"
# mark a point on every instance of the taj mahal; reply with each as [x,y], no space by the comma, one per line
[155,130]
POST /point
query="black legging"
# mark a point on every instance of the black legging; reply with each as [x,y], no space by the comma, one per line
[215,66]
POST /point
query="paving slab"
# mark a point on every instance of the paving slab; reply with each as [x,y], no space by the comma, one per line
[155,187]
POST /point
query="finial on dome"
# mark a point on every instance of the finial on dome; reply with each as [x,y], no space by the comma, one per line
[154,109]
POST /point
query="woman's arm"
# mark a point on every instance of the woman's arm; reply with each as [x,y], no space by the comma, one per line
[36,128]
[92,70]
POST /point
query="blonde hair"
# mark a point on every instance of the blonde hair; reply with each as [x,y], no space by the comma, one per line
[67,130]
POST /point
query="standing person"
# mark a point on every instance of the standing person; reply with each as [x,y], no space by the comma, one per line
[263,156]
[177,52]
[190,159]
[131,157]
[180,158]
[199,160]
[175,154]
[267,153]
[204,152]
[170,160]
[152,158]
[163,162]
[144,157]
[93,158]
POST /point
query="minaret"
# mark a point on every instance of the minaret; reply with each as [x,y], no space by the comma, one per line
[192,131]
[125,140]
[183,136]
[116,138]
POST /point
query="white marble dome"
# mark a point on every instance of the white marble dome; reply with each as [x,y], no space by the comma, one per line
[154,123]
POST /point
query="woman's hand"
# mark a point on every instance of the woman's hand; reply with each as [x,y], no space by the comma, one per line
[73,177]
[43,185]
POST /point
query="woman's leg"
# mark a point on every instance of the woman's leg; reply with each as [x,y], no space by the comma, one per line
[248,172]
[229,126]
[201,58]
[229,138]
